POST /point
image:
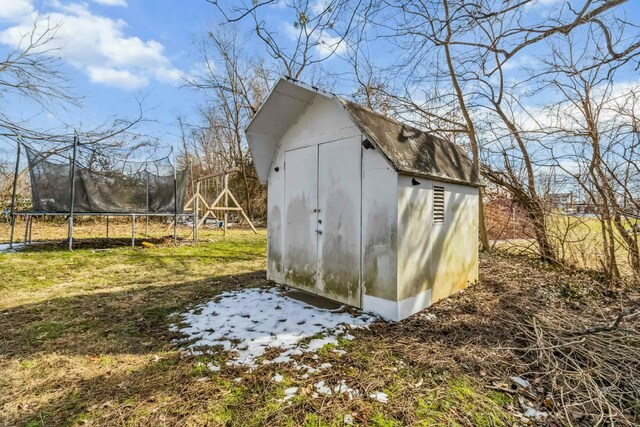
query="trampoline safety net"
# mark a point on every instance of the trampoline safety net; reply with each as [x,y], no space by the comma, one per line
[104,184]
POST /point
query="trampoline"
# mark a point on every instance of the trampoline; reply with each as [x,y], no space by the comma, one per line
[103,185]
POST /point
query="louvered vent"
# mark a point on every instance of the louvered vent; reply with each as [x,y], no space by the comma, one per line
[438,205]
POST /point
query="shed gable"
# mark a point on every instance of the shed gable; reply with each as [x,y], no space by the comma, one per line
[407,149]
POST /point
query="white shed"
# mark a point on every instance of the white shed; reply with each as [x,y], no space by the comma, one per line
[363,209]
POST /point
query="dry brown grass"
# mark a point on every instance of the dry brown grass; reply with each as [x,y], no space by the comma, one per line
[85,341]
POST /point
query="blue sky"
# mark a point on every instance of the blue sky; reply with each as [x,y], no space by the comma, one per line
[120,51]
[116,51]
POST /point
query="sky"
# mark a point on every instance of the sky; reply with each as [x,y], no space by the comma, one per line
[120,52]
[116,52]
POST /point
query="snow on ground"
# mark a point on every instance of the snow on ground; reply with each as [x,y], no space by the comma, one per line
[379,396]
[248,322]
[4,247]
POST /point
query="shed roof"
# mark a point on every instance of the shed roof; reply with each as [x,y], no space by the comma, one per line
[413,151]
[407,149]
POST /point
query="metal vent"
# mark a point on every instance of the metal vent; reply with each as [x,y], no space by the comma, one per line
[438,205]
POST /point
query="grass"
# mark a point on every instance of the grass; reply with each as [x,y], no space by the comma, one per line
[578,240]
[84,340]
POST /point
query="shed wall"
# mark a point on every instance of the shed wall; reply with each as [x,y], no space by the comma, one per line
[454,259]
[435,260]
[323,121]
[379,235]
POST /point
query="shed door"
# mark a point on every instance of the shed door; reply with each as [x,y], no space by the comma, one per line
[339,188]
[300,198]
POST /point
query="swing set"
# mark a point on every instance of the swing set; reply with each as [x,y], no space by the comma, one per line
[214,183]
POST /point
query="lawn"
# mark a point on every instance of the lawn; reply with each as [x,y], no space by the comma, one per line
[86,339]
[578,241]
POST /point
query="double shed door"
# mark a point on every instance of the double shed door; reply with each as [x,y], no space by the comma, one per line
[322,227]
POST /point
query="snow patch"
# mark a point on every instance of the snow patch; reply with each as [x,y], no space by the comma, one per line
[324,389]
[534,413]
[4,247]
[379,396]
[290,393]
[247,323]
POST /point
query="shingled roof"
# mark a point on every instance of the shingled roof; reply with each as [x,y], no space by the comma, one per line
[407,149]
[412,151]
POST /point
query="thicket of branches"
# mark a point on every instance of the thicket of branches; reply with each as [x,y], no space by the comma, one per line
[543,97]
[32,72]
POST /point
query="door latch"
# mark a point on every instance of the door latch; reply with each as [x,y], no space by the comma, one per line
[319,231]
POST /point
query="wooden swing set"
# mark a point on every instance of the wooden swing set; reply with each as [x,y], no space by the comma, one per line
[198,202]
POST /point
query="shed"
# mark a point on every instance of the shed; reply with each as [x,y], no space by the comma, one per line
[363,209]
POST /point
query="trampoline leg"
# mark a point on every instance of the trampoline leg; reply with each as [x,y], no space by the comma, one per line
[146,228]
[30,228]
[133,232]
[13,226]
[175,231]
[107,226]
[26,230]
[70,232]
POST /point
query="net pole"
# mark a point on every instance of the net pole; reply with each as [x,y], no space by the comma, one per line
[26,230]
[195,205]
[146,224]
[12,217]
[196,211]
[226,202]
[30,228]
[73,188]
[175,203]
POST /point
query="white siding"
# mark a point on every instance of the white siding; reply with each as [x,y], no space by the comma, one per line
[435,260]
[379,235]
[275,223]
[405,261]
[323,121]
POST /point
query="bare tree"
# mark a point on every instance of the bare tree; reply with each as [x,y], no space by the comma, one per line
[455,53]
[598,121]
[235,88]
[318,32]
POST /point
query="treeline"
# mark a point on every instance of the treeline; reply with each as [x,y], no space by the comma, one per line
[532,88]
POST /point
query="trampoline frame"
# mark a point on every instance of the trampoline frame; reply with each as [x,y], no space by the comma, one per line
[70,214]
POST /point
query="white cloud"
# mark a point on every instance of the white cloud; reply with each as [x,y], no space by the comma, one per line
[15,10]
[169,75]
[325,45]
[328,45]
[319,6]
[99,46]
[521,62]
[122,3]
[118,78]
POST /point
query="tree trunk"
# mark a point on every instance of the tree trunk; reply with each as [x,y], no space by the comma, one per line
[475,148]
